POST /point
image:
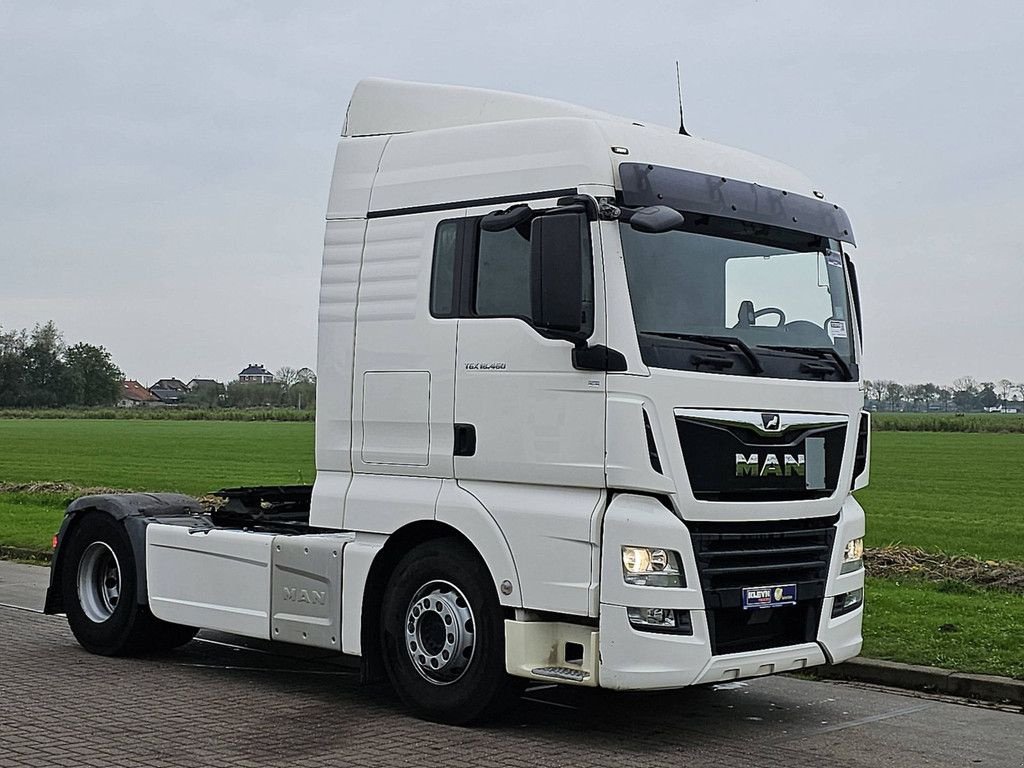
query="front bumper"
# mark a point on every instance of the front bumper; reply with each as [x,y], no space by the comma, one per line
[635,659]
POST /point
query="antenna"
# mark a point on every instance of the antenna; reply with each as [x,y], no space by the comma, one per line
[679,92]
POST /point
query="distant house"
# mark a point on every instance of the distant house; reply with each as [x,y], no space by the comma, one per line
[134,394]
[170,391]
[202,384]
[255,373]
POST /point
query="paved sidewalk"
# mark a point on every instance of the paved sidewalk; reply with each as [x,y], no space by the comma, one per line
[215,704]
[23,585]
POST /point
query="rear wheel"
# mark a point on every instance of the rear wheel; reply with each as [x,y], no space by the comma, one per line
[100,589]
[444,636]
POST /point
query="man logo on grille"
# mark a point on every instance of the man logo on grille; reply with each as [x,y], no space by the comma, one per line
[770,420]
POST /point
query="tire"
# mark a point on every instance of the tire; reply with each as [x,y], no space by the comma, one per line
[443,635]
[100,586]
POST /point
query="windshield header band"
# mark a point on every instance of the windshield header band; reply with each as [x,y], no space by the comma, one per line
[644,185]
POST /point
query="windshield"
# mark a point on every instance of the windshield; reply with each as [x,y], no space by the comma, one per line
[735,298]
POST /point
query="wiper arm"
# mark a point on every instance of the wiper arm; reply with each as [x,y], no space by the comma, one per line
[722,342]
[819,352]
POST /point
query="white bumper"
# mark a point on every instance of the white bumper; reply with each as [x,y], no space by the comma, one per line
[635,659]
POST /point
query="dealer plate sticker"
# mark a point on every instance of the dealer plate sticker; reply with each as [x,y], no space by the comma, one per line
[769,597]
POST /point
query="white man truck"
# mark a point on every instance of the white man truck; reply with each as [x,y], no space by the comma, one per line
[589,412]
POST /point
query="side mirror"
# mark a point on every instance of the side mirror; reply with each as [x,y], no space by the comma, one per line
[557,243]
[655,219]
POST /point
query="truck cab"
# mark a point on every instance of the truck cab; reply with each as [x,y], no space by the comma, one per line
[589,411]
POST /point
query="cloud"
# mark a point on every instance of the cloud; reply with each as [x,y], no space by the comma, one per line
[166,165]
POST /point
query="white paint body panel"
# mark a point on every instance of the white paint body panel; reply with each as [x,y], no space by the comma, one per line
[215,579]
[548,529]
[396,417]
[553,444]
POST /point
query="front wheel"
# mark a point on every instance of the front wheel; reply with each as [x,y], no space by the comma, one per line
[101,594]
[444,636]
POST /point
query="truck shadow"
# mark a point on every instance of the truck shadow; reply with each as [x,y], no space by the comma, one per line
[294,696]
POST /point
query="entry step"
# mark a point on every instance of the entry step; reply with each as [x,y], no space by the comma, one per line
[562,673]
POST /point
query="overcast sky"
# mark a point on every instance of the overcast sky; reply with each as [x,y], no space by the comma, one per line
[164,168]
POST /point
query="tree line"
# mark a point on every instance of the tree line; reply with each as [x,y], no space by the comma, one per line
[290,389]
[965,394]
[38,370]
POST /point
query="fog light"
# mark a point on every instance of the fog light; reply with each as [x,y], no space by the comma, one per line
[651,567]
[670,620]
[853,556]
[847,602]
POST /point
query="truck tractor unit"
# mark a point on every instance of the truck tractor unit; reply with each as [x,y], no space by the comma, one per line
[589,412]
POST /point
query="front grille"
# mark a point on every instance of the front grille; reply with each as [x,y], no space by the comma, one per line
[712,452]
[731,556]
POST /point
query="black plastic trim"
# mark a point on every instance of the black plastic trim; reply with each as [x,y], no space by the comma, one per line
[598,357]
[652,446]
[542,195]
[688,191]
[860,461]
[465,440]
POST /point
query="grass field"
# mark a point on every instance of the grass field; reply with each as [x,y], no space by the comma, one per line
[28,520]
[947,422]
[955,492]
[958,492]
[188,456]
[950,625]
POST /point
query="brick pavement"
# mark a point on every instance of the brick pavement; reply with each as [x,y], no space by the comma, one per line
[214,705]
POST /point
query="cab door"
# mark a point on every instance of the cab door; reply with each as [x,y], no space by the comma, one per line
[530,428]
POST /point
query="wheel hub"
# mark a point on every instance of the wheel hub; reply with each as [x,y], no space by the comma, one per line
[440,632]
[99,582]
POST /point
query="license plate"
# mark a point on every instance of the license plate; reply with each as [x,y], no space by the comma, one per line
[769,597]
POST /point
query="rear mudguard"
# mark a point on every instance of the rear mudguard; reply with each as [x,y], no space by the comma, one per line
[135,511]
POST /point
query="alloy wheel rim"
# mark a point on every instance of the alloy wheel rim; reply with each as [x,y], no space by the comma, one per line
[440,632]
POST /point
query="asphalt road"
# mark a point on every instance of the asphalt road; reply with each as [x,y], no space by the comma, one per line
[217,702]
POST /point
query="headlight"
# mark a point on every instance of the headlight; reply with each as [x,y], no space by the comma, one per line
[652,567]
[853,556]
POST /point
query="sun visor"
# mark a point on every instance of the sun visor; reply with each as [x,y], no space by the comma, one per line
[687,191]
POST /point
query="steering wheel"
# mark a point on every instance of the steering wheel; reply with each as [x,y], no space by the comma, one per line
[747,316]
[771,311]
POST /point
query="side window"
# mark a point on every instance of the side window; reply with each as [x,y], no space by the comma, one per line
[503,274]
[477,273]
[442,283]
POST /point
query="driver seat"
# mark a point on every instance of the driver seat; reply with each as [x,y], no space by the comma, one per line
[745,317]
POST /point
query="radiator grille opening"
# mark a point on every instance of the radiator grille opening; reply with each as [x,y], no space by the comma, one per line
[731,556]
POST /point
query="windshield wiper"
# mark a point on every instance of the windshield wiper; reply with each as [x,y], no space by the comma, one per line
[821,353]
[722,342]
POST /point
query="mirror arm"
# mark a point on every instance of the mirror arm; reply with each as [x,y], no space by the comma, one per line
[587,204]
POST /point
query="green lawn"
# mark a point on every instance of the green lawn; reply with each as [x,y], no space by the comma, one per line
[983,627]
[188,456]
[957,492]
[30,520]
